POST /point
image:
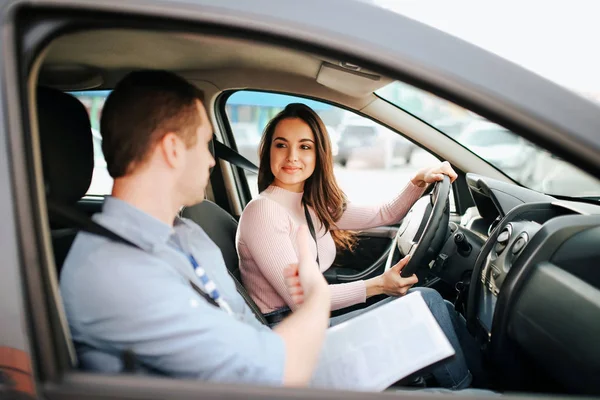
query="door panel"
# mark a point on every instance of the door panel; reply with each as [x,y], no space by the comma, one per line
[366,260]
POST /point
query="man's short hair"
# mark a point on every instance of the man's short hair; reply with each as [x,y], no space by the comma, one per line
[140,111]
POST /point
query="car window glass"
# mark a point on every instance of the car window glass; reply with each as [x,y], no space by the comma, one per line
[371,162]
[93,101]
[521,160]
[490,137]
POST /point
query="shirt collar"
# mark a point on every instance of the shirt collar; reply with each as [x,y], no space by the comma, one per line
[134,224]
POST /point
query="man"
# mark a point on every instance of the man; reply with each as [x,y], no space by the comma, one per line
[119,297]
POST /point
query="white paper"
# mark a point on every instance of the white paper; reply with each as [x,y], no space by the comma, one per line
[373,350]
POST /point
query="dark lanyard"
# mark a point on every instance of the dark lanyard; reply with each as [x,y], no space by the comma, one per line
[311,228]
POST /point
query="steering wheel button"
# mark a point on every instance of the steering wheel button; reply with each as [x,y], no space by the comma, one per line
[518,246]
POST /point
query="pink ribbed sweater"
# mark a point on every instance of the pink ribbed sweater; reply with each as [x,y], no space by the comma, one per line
[266,242]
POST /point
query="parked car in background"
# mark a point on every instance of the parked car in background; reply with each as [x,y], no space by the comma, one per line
[372,144]
[554,176]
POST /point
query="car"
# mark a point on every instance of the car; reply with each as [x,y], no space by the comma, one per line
[362,140]
[554,175]
[509,152]
[520,265]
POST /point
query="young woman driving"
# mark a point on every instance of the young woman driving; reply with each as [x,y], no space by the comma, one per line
[297,186]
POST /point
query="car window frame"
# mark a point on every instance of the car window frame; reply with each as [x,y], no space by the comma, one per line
[242,186]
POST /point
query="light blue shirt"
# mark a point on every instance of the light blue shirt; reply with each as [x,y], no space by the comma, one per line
[119,297]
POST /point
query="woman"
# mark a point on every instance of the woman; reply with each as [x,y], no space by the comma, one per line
[297,186]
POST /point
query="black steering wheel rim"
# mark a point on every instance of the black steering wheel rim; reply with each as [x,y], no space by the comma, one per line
[419,250]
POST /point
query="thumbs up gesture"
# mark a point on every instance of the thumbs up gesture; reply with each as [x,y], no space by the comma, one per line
[304,279]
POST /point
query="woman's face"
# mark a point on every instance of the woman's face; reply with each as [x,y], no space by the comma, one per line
[293,154]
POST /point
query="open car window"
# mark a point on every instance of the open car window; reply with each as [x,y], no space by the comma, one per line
[521,160]
[371,162]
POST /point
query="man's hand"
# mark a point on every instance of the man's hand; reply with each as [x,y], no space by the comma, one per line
[432,174]
[304,279]
[390,282]
[303,332]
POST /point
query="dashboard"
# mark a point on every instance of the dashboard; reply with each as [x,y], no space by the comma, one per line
[534,300]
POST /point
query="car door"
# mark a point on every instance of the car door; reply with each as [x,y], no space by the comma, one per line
[31,323]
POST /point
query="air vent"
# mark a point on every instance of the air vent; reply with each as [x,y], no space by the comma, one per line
[520,243]
[503,239]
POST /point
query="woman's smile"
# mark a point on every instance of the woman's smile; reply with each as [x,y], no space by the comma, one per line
[291,170]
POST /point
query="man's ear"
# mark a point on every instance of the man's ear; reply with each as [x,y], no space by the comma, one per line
[172,149]
[211,148]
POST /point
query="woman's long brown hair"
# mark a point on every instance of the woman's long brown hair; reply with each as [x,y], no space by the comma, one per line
[321,190]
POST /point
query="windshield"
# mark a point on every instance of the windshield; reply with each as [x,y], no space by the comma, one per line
[516,157]
[497,136]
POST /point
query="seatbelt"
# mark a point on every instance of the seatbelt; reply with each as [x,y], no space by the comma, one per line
[70,216]
[85,223]
[311,228]
[249,302]
[73,216]
[225,153]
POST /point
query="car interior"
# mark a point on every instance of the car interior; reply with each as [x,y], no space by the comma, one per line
[520,265]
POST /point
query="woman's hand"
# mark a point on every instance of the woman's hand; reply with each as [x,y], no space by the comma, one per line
[390,282]
[429,175]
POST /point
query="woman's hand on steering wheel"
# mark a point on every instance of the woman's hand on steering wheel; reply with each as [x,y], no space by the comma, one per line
[429,175]
[390,282]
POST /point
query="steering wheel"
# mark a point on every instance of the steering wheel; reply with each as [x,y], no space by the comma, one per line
[417,238]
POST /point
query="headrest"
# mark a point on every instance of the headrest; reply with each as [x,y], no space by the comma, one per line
[66,142]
